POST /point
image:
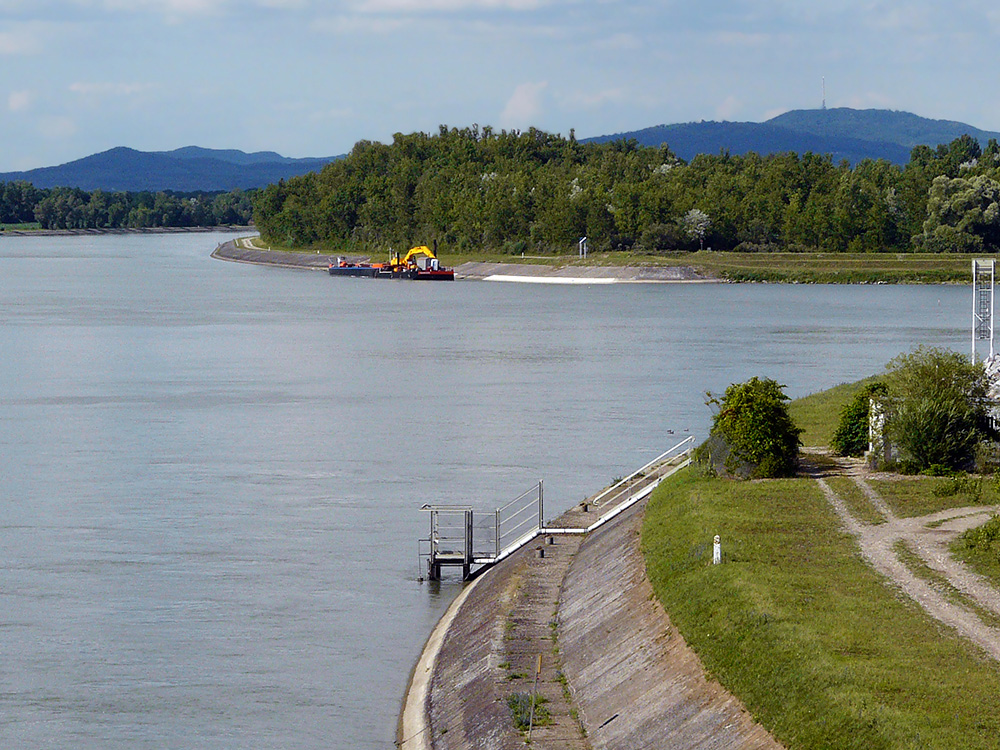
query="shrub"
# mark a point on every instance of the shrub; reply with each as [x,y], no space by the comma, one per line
[938,408]
[851,436]
[752,434]
[527,709]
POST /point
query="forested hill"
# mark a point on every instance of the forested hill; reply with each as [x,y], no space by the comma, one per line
[878,126]
[473,190]
[190,169]
[844,133]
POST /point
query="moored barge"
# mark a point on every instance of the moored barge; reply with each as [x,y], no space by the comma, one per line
[419,264]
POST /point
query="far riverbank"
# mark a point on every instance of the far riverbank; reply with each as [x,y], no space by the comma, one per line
[242,251]
[700,266]
[122,230]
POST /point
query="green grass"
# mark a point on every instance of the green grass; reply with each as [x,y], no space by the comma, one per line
[836,268]
[26,227]
[820,650]
[919,496]
[859,506]
[819,413]
[941,584]
[979,548]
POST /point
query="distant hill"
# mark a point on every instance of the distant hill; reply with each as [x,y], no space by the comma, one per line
[903,128]
[851,134]
[843,133]
[189,169]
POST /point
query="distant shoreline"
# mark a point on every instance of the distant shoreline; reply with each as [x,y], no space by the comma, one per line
[122,230]
[473,271]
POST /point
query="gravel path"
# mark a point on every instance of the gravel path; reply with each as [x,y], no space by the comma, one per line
[928,537]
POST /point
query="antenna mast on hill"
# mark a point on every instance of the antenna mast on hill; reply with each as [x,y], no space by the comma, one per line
[824,92]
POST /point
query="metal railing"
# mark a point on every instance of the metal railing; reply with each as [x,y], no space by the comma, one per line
[519,519]
[625,486]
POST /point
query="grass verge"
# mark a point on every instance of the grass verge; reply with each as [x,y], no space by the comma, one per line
[940,582]
[794,623]
[818,414]
[919,496]
[979,548]
[859,506]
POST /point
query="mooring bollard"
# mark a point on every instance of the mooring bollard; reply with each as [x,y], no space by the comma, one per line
[717,551]
[585,507]
[539,551]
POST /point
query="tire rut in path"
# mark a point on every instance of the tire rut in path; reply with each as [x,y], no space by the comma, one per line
[930,543]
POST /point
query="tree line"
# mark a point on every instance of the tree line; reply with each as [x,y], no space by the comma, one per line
[475,189]
[72,208]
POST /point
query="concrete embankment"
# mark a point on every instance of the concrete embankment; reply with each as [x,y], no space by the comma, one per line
[525,272]
[474,271]
[241,253]
[614,672]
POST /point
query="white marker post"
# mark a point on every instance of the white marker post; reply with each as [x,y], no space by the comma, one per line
[717,551]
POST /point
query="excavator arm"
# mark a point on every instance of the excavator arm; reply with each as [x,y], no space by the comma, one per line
[414,251]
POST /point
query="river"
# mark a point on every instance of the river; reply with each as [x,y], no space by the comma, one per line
[211,472]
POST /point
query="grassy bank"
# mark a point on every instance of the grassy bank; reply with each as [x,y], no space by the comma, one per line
[817,268]
[822,652]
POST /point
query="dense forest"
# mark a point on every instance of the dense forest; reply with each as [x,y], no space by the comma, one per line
[72,208]
[475,189]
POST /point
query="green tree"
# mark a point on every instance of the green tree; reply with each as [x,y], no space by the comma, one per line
[752,433]
[851,436]
[696,223]
[963,214]
[938,410]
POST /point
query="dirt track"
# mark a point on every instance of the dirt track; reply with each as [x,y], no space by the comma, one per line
[927,536]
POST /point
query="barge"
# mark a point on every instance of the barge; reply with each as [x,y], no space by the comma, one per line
[419,264]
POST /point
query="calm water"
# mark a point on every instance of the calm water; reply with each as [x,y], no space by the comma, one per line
[210,472]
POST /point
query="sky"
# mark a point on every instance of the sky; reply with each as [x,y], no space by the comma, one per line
[313,77]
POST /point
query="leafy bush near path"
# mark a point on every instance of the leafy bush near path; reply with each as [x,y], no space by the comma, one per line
[851,436]
[752,434]
[938,409]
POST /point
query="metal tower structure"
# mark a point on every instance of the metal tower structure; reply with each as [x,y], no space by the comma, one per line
[982,304]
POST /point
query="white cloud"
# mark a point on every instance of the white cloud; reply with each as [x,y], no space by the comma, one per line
[869,100]
[108,88]
[57,127]
[346,25]
[619,42]
[19,101]
[592,100]
[524,106]
[18,43]
[728,107]
[437,6]
[168,7]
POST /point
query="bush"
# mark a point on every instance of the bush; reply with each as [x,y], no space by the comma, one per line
[938,409]
[752,434]
[851,436]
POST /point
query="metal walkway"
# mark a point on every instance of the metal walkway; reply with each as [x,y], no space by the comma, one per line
[453,539]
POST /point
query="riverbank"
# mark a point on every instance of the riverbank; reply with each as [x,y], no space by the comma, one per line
[686,267]
[614,672]
[123,230]
[246,251]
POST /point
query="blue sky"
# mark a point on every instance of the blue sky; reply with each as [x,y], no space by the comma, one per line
[312,77]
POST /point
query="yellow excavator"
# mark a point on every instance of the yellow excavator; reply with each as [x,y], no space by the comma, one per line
[419,263]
